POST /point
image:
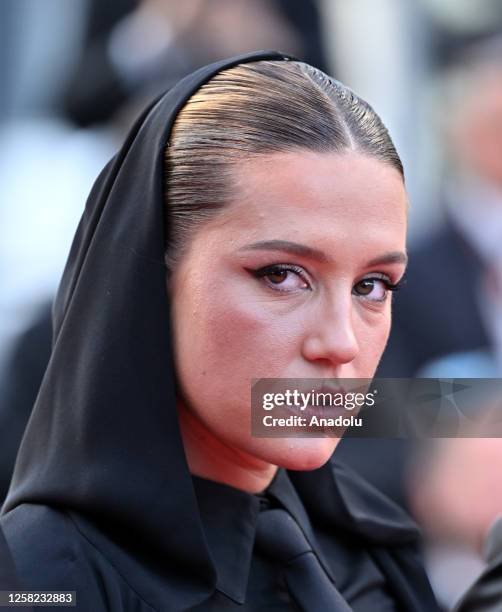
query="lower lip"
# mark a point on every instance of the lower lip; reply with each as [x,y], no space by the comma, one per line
[319,411]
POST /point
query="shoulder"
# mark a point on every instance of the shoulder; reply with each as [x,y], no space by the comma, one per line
[50,553]
[37,534]
[46,548]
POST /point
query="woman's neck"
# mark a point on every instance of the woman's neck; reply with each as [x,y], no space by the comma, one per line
[209,457]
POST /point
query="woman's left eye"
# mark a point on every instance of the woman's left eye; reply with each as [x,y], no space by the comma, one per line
[283,277]
[374,289]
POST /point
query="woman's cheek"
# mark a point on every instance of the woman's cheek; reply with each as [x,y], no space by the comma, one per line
[372,336]
[247,338]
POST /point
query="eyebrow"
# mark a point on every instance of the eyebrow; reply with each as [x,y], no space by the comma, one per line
[290,247]
[389,258]
[305,251]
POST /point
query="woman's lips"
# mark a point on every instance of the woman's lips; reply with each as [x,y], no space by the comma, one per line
[320,402]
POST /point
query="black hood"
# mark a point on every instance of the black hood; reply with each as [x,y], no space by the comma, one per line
[103,439]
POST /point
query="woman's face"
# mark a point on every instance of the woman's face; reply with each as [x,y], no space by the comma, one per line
[276,286]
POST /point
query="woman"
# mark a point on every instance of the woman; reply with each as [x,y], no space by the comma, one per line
[257,212]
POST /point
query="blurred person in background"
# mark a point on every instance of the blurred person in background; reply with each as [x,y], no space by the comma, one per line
[453,299]
[449,323]
[149,45]
[456,494]
[485,595]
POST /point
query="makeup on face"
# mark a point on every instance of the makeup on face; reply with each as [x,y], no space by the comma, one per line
[293,279]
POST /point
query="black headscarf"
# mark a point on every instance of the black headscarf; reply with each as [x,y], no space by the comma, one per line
[103,440]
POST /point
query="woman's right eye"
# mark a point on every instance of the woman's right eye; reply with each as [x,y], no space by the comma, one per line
[283,277]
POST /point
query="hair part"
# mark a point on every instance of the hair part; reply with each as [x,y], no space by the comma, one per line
[254,109]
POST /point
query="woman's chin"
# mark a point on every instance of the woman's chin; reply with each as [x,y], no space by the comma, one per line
[301,453]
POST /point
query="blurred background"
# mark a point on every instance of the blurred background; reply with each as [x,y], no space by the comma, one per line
[73,75]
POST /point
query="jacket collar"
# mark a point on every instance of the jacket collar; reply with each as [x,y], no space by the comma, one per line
[229,518]
[333,495]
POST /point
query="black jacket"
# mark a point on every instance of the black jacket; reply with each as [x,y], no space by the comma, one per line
[368,544]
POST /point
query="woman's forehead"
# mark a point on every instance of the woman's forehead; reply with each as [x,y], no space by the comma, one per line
[329,176]
[313,189]
[351,208]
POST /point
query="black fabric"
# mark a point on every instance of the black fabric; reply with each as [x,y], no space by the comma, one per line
[20,382]
[54,546]
[8,578]
[350,515]
[349,553]
[280,537]
[101,500]
[229,523]
[8,575]
[485,595]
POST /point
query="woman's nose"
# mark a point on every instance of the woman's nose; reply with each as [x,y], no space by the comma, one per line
[330,336]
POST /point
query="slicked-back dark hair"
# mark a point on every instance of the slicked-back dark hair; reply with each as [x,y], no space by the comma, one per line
[254,109]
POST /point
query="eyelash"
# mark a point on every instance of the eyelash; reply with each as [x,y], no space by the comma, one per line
[261,273]
[387,284]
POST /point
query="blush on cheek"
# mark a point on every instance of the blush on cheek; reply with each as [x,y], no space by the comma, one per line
[243,331]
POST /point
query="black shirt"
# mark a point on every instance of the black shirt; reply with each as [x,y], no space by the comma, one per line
[245,576]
